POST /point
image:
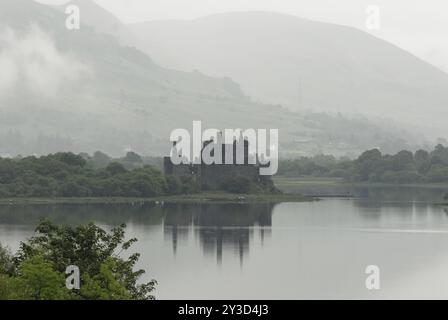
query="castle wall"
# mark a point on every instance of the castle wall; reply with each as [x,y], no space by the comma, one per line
[213,176]
[179,170]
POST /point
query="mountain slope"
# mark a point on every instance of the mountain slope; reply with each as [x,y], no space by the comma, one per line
[303,64]
[83,91]
[94,77]
[101,20]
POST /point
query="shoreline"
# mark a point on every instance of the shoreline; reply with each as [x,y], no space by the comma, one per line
[199,198]
[224,197]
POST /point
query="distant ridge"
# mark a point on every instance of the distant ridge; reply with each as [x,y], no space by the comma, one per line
[304,64]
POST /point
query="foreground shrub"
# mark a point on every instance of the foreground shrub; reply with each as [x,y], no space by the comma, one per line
[37,270]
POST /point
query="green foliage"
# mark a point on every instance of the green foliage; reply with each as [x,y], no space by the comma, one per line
[115,168]
[173,184]
[133,157]
[37,271]
[33,279]
[6,263]
[69,175]
[38,280]
[104,286]
[100,160]
[189,185]
[317,166]
[373,166]
[7,288]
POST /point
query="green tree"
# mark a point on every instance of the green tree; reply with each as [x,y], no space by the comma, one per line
[40,264]
[366,164]
[106,285]
[37,280]
[115,168]
[100,159]
[422,161]
[133,157]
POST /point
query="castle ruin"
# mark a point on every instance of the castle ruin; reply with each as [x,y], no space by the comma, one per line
[214,176]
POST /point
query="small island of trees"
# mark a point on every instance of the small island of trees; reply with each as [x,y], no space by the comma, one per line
[67,175]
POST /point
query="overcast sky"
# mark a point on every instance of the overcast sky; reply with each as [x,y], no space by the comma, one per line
[419,26]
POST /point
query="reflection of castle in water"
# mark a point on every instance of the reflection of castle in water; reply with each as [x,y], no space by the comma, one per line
[218,227]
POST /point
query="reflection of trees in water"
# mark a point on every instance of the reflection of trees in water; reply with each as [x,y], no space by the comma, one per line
[405,211]
[378,193]
[218,226]
[74,214]
[401,200]
[399,193]
[374,199]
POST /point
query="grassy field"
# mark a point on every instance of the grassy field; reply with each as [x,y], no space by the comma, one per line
[306,181]
[312,181]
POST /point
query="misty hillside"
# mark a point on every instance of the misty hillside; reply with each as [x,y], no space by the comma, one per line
[304,64]
[84,91]
[101,20]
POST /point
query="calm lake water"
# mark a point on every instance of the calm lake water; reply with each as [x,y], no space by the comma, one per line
[283,251]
